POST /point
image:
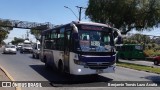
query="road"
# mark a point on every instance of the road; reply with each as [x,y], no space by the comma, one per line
[23,68]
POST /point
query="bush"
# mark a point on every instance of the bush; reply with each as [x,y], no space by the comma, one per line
[151,53]
[148,53]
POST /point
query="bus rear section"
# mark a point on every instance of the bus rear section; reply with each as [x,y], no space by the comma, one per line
[80,48]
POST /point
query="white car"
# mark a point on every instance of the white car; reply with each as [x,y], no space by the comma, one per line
[19,47]
[26,48]
[10,49]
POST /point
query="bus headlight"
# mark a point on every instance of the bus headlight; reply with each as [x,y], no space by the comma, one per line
[78,62]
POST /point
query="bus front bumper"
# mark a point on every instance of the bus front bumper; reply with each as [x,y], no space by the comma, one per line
[81,70]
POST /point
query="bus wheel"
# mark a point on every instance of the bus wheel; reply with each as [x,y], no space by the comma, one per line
[46,64]
[60,67]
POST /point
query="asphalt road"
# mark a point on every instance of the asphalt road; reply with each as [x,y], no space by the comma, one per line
[23,68]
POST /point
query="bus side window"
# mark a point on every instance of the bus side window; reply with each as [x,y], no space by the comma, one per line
[106,40]
[60,40]
[53,39]
[85,38]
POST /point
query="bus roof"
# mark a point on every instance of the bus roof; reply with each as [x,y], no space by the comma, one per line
[91,23]
[80,23]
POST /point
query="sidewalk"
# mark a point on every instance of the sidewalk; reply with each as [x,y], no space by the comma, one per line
[4,77]
[140,62]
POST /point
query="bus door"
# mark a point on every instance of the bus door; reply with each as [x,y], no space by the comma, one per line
[66,50]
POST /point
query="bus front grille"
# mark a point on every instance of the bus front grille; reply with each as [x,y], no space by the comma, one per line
[98,65]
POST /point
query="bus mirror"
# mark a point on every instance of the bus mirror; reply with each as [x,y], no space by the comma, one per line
[117,34]
[75,29]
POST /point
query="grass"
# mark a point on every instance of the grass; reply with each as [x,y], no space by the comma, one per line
[139,67]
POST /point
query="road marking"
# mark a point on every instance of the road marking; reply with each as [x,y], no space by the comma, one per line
[9,76]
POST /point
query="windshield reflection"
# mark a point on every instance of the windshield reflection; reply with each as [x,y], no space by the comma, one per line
[95,41]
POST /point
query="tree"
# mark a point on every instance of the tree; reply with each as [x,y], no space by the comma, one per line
[138,39]
[125,14]
[4,31]
[17,40]
[37,31]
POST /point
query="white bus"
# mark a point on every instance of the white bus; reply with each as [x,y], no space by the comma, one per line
[80,48]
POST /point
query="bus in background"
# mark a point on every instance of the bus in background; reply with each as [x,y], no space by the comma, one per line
[130,51]
[80,48]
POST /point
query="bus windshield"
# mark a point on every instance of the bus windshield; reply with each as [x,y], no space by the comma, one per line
[94,41]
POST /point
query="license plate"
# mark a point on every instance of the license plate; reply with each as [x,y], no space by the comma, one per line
[99,71]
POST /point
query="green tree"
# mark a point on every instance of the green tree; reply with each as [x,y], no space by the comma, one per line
[125,14]
[37,31]
[4,31]
[17,40]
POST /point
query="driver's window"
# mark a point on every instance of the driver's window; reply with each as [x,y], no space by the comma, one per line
[85,37]
[106,39]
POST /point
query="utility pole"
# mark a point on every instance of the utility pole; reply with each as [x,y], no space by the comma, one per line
[80,11]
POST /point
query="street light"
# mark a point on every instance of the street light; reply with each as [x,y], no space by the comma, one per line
[71,11]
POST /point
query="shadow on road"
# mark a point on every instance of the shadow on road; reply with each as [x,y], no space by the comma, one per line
[57,79]
[8,53]
[154,79]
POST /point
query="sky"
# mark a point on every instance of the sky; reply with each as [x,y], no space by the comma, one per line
[42,11]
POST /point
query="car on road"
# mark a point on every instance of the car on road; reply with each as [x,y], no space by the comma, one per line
[156,60]
[36,50]
[10,49]
[19,47]
[26,48]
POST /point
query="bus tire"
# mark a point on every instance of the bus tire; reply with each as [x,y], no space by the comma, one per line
[46,64]
[60,67]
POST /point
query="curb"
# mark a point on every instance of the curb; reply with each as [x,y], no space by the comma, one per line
[9,76]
